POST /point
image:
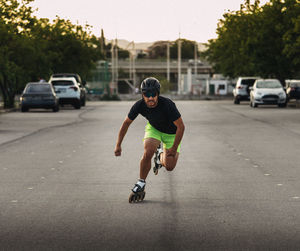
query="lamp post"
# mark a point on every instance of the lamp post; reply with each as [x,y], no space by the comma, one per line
[179,67]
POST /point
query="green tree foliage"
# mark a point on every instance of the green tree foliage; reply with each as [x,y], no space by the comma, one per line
[123,54]
[260,41]
[187,49]
[159,49]
[32,48]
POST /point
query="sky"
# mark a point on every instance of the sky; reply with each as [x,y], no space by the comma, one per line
[143,20]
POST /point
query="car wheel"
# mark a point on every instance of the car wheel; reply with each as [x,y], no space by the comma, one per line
[24,109]
[77,105]
[55,108]
[236,101]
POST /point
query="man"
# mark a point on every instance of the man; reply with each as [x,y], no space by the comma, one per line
[164,125]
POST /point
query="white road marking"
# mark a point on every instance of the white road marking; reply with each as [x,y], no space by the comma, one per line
[30,188]
[267,174]
[43,178]
[255,165]
[247,159]
[52,168]
[60,162]
[279,184]
[296,198]
[14,201]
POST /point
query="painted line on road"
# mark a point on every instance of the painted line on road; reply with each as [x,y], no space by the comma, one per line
[296,198]
[279,184]
[60,162]
[267,174]
[14,201]
[30,188]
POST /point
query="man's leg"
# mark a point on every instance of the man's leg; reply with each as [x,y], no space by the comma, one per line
[169,162]
[150,146]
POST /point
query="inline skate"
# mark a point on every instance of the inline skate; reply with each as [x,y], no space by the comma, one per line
[138,191]
[157,163]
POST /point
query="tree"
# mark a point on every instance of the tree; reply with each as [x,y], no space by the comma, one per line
[16,48]
[257,40]
[187,49]
[32,48]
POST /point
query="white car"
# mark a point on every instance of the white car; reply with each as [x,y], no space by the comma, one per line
[67,90]
[267,92]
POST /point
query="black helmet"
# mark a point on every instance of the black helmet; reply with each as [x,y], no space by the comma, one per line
[150,84]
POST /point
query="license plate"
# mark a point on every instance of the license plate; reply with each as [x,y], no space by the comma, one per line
[62,90]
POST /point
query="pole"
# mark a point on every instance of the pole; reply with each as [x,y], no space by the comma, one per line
[195,59]
[179,67]
[168,61]
[133,63]
[112,67]
[116,68]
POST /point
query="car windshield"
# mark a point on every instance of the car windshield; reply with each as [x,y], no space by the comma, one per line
[271,84]
[38,88]
[248,82]
[61,82]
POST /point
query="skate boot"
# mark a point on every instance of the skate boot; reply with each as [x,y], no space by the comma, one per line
[138,191]
[157,163]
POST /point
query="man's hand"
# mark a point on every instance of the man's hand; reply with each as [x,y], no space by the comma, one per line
[118,151]
[171,152]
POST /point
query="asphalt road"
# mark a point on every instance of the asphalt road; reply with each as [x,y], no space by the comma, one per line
[236,185]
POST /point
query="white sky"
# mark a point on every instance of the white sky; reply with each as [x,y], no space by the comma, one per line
[143,20]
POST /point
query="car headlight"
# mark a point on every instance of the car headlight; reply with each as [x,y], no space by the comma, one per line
[22,99]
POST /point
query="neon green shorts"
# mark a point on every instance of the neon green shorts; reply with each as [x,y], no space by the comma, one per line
[167,139]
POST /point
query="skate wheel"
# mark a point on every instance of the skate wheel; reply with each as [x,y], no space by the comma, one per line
[132,197]
[143,196]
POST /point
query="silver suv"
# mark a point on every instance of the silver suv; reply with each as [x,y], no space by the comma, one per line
[241,91]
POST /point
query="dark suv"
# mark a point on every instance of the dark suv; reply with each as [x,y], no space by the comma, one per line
[80,83]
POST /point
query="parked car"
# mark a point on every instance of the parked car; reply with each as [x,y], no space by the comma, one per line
[80,83]
[267,92]
[39,95]
[241,91]
[67,90]
[292,89]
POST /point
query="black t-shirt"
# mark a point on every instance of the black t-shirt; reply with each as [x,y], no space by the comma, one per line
[160,117]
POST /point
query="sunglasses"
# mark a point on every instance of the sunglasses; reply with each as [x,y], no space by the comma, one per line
[150,94]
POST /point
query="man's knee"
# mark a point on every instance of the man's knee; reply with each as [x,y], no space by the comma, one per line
[148,154]
[169,167]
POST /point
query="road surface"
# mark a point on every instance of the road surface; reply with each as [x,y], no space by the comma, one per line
[236,185]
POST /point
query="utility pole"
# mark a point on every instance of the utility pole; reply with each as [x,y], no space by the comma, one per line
[117,66]
[168,61]
[113,78]
[179,66]
[195,59]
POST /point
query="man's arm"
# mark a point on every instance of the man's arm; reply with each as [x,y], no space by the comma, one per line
[179,134]
[122,133]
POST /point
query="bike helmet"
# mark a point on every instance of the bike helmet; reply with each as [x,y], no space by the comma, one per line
[150,85]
